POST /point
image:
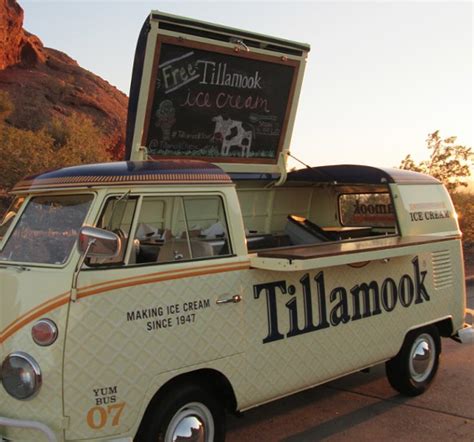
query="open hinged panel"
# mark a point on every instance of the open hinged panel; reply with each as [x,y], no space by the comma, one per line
[214,93]
[355,253]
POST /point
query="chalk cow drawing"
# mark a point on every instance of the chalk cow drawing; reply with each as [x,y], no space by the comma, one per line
[233,133]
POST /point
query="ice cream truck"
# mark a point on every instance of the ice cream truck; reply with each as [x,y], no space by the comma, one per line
[145,299]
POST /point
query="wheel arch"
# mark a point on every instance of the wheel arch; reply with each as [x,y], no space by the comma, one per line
[444,326]
[212,380]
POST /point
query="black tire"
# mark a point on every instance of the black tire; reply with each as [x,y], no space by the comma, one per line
[413,369]
[189,404]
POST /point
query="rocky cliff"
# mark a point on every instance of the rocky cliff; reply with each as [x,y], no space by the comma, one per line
[44,83]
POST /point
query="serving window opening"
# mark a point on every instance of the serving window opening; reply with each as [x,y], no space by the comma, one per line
[300,214]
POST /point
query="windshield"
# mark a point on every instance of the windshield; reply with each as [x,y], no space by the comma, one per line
[47,229]
[9,215]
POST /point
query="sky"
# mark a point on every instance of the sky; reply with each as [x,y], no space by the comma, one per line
[380,75]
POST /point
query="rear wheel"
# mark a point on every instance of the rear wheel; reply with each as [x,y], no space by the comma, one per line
[188,413]
[413,369]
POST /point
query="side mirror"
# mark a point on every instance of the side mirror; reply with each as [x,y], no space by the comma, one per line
[94,242]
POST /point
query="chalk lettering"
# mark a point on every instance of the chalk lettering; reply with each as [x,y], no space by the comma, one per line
[217,74]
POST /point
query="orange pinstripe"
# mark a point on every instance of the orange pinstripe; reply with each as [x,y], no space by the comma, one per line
[172,272]
[33,314]
[96,289]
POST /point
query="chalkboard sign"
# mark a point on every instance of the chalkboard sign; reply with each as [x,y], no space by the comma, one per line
[218,104]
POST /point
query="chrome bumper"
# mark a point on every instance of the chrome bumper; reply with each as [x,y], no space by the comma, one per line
[29,425]
[465,335]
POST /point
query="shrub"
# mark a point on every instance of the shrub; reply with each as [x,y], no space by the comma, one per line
[78,141]
[74,140]
[6,105]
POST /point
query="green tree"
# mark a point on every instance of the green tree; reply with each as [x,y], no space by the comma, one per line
[449,162]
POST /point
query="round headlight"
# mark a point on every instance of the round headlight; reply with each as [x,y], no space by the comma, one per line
[21,375]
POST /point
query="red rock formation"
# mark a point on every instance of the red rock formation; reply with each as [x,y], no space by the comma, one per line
[43,83]
[18,46]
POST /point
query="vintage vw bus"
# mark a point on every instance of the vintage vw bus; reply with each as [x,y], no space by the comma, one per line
[142,299]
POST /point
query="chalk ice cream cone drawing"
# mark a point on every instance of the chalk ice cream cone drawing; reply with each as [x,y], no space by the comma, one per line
[165,118]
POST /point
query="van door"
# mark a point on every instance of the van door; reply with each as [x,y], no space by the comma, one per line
[168,303]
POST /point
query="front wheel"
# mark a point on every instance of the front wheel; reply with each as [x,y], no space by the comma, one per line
[189,413]
[413,369]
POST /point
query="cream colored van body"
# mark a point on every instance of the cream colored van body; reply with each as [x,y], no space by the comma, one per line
[301,314]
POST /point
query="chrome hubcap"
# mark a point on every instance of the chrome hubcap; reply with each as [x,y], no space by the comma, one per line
[422,357]
[191,423]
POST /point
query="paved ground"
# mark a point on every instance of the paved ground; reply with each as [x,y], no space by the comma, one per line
[363,407]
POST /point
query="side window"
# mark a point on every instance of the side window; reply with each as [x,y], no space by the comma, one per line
[173,229]
[366,209]
[117,217]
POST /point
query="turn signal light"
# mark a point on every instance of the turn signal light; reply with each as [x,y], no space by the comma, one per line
[44,332]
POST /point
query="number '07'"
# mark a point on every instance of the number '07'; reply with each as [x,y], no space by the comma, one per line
[98,417]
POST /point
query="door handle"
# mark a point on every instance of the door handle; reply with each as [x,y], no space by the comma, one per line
[227,299]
